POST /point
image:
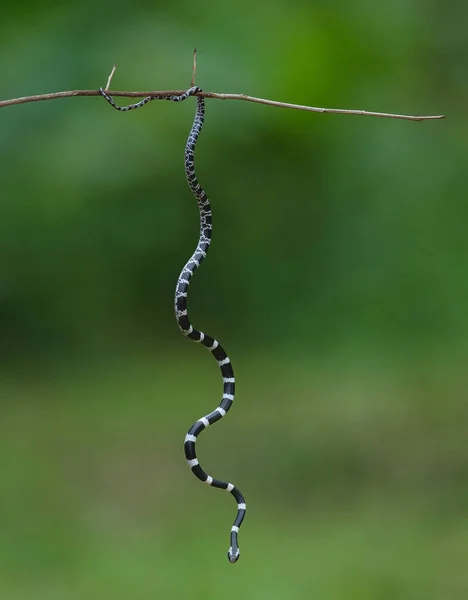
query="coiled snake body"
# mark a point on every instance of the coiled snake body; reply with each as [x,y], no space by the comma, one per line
[181,313]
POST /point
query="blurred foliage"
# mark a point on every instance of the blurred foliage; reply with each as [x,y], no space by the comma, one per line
[337,281]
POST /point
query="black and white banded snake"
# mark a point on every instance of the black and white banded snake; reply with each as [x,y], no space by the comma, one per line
[187,329]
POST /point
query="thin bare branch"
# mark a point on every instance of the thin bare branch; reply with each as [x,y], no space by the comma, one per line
[217,96]
[336,111]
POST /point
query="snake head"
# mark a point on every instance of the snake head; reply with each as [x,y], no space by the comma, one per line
[233,555]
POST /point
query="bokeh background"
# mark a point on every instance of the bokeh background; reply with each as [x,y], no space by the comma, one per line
[336,281]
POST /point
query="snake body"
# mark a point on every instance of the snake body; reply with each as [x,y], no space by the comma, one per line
[181,313]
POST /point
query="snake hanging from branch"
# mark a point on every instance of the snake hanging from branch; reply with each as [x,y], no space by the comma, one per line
[181,313]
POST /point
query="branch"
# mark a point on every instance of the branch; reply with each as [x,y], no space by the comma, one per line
[216,96]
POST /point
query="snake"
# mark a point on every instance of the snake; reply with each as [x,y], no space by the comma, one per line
[181,312]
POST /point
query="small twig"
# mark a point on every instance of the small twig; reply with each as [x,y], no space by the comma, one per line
[194,68]
[217,96]
[109,79]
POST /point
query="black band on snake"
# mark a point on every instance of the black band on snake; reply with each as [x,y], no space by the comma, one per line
[182,316]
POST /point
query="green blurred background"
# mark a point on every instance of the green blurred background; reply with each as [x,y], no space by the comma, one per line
[337,283]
